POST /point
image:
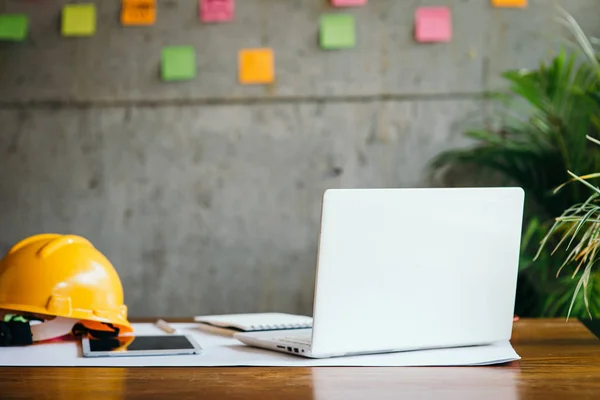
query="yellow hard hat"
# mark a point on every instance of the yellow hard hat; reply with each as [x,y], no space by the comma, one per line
[63,276]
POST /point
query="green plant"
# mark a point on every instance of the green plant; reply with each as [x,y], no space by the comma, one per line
[542,142]
[581,222]
[579,230]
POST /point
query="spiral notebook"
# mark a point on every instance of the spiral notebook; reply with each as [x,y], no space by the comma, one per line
[257,321]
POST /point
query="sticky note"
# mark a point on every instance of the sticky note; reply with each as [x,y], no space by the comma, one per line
[138,12]
[13,27]
[178,63]
[337,31]
[79,20]
[510,3]
[433,24]
[348,3]
[217,10]
[256,66]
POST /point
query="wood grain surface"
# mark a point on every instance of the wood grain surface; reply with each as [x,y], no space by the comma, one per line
[559,360]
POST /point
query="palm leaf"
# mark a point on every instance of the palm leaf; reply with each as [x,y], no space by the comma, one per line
[544,145]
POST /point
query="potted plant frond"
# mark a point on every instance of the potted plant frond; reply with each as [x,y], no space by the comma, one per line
[539,139]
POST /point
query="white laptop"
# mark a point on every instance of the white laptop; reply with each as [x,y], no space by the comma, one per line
[409,269]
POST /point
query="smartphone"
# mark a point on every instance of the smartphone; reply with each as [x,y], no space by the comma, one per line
[128,346]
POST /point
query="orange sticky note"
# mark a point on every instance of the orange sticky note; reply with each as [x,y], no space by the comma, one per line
[510,3]
[256,66]
[138,12]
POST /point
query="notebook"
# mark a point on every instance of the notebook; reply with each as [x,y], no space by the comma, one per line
[257,321]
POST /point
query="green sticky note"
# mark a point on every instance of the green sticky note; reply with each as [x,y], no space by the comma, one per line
[337,31]
[178,63]
[13,27]
[79,20]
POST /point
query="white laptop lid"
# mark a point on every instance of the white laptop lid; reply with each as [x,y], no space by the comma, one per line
[402,269]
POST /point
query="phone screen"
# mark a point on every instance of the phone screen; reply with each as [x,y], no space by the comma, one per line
[141,343]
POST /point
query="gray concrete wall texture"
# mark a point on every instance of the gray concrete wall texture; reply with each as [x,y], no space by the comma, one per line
[206,194]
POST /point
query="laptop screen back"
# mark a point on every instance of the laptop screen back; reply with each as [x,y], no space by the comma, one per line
[402,269]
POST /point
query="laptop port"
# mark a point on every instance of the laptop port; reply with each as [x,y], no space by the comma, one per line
[289,349]
[295,350]
[281,347]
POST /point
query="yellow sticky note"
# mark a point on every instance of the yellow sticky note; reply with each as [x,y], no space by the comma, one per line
[256,66]
[79,20]
[138,12]
[510,3]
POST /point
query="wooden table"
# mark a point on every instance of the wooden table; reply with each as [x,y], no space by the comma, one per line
[559,360]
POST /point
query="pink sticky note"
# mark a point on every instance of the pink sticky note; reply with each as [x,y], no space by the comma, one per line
[433,24]
[348,3]
[216,10]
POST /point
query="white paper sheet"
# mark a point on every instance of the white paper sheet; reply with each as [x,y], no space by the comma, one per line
[226,351]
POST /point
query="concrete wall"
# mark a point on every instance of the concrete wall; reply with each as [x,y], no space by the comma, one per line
[206,194]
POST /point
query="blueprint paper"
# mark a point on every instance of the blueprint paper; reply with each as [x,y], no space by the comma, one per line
[226,351]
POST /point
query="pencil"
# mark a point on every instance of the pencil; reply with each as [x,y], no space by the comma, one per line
[164,325]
